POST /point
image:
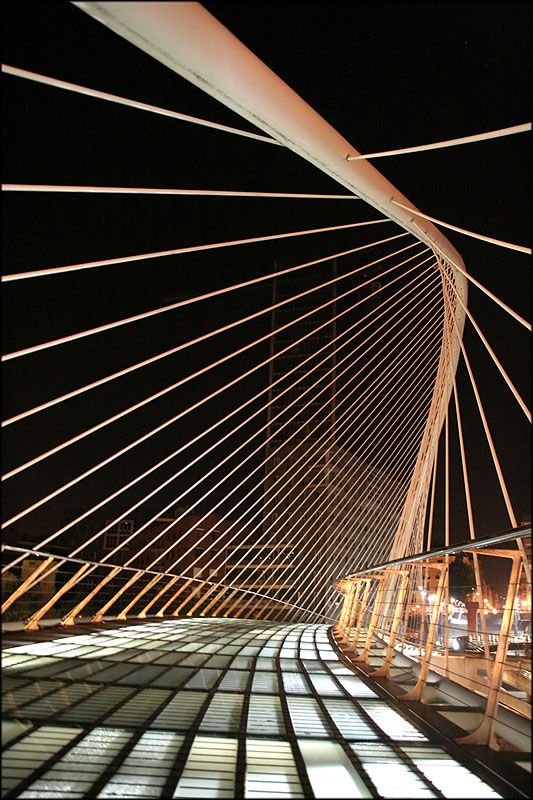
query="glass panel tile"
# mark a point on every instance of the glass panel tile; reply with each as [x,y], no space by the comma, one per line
[349,720]
[180,713]
[330,771]
[9,657]
[218,662]
[53,666]
[242,662]
[223,714]
[170,658]
[209,648]
[263,663]
[27,664]
[390,721]
[136,710]
[389,774]
[98,705]
[12,728]
[234,681]
[194,660]
[203,679]
[338,668]
[83,764]
[23,757]
[265,682]
[143,773]
[314,666]
[295,683]
[210,769]
[142,675]
[289,652]
[115,672]
[307,718]
[356,687]
[289,664]
[264,716]
[269,652]
[325,685]
[58,700]
[173,678]
[448,775]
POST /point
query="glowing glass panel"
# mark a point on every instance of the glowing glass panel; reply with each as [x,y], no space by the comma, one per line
[389,774]
[210,769]
[144,771]
[330,771]
[27,755]
[390,721]
[450,777]
[270,770]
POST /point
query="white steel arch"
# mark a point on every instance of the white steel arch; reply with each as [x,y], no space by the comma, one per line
[189,40]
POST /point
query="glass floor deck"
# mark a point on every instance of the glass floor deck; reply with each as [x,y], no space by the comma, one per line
[209,708]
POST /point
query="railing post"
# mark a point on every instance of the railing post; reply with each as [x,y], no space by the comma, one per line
[348,588]
[34,619]
[23,588]
[69,618]
[484,733]
[352,646]
[375,611]
[384,670]
[176,594]
[201,600]
[346,638]
[212,602]
[189,597]
[235,603]
[137,597]
[418,689]
[99,614]
[153,601]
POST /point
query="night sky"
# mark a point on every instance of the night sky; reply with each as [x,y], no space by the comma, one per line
[385,75]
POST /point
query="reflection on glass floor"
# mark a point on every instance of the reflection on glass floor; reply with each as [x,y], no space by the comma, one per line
[209,708]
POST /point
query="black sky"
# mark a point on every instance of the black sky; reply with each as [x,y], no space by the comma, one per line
[385,75]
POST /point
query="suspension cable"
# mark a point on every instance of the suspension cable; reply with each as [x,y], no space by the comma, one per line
[196,299]
[191,342]
[312,565]
[479,285]
[39,273]
[477,137]
[182,413]
[491,352]
[57,188]
[214,508]
[177,499]
[499,242]
[73,87]
[401,292]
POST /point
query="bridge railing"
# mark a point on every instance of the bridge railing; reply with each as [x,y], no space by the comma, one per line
[472,627]
[42,586]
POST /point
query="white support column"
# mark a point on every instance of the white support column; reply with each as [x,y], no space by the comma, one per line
[416,693]
[384,670]
[484,734]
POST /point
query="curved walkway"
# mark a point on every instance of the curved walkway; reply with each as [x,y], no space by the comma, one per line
[208,708]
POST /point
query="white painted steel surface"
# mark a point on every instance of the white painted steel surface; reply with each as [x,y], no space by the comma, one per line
[190,41]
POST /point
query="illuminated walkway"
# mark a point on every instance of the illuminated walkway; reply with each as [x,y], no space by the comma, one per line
[208,708]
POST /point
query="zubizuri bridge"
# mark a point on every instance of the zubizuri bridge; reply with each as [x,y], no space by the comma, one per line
[249,461]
